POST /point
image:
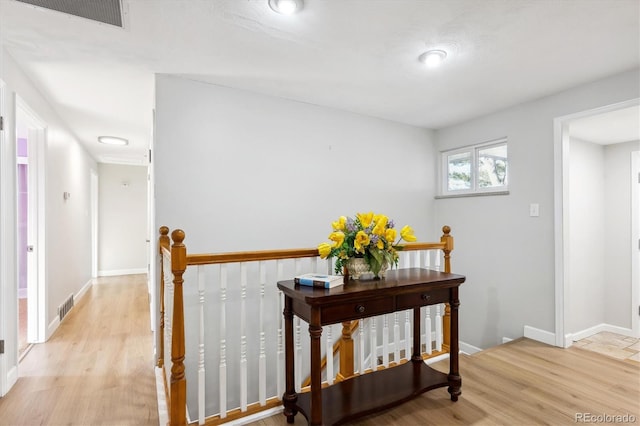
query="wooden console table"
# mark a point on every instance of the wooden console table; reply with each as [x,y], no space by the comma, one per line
[365,394]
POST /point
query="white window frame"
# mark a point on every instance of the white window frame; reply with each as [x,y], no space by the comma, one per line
[474,189]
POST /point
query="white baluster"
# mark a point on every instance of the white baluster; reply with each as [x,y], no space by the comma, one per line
[385,341]
[361,346]
[396,338]
[168,315]
[407,335]
[427,328]
[298,358]
[262,361]
[201,371]
[298,353]
[280,364]
[407,260]
[438,257]
[373,340]
[330,374]
[243,337]
[428,259]
[438,328]
[223,342]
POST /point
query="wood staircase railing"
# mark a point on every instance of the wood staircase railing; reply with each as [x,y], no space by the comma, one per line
[176,389]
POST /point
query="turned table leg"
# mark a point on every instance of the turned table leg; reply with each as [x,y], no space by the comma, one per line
[455,381]
[315,333]
[290,397]
[416,355]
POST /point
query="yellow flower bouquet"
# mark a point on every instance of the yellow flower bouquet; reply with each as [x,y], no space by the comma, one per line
[370,236]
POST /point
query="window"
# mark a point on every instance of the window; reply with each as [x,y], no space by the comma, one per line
[478,169]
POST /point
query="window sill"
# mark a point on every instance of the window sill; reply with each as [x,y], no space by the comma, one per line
[472,194]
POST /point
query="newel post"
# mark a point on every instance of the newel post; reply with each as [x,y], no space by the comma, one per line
[163,242]
[178,379]
[346,351]
[447,239]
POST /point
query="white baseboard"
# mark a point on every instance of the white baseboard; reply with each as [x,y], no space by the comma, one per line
[82,291]
[436,358]
[53,326]
[583,334]
[540,335]
[115,272]
[163,411]
[506,340]
[468,349]
[255,417]
[12,378]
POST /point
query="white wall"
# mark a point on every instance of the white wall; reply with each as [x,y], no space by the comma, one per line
[617,256]
[68,226]
[122,229]
[508,257]
[242,171]
[587,236]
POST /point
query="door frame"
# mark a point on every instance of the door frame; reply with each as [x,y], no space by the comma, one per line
[94,223]
[8,369]
[635,242]
[36,289]
[561,217]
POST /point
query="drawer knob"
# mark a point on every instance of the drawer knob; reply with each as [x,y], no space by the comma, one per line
[359,309]
[426,297]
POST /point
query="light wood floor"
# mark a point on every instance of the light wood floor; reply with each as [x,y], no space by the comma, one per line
[521,383]
[97,368]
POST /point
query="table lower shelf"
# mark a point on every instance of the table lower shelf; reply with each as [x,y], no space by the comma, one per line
[369,393]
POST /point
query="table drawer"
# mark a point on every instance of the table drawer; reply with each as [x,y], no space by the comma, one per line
[413,300]
[355,310]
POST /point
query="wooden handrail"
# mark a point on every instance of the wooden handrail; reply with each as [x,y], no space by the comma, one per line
[255,256]
[250,256]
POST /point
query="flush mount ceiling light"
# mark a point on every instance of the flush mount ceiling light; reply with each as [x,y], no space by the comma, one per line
[432,58]
[112,140]
[286,7]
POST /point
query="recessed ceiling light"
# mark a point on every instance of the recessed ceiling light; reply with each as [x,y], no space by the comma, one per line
[112,140]
[286,7]
[432,58]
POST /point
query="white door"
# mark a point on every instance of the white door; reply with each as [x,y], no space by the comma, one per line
[29,125]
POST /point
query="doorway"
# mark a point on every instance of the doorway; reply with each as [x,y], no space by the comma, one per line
[30,137]
[601,269]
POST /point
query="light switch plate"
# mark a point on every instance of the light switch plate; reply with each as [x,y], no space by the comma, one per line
[534,209]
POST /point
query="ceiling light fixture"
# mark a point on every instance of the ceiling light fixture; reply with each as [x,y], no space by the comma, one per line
[432,58]
[286,7]
[113,140]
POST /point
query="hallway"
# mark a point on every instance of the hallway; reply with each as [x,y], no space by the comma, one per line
[97,368]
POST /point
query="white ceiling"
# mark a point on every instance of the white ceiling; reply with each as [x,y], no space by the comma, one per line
[355,55]
[622,125]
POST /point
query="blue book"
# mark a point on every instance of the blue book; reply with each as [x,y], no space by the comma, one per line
[319,280]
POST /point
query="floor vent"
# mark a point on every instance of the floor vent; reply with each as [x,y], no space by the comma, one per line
[64,309]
